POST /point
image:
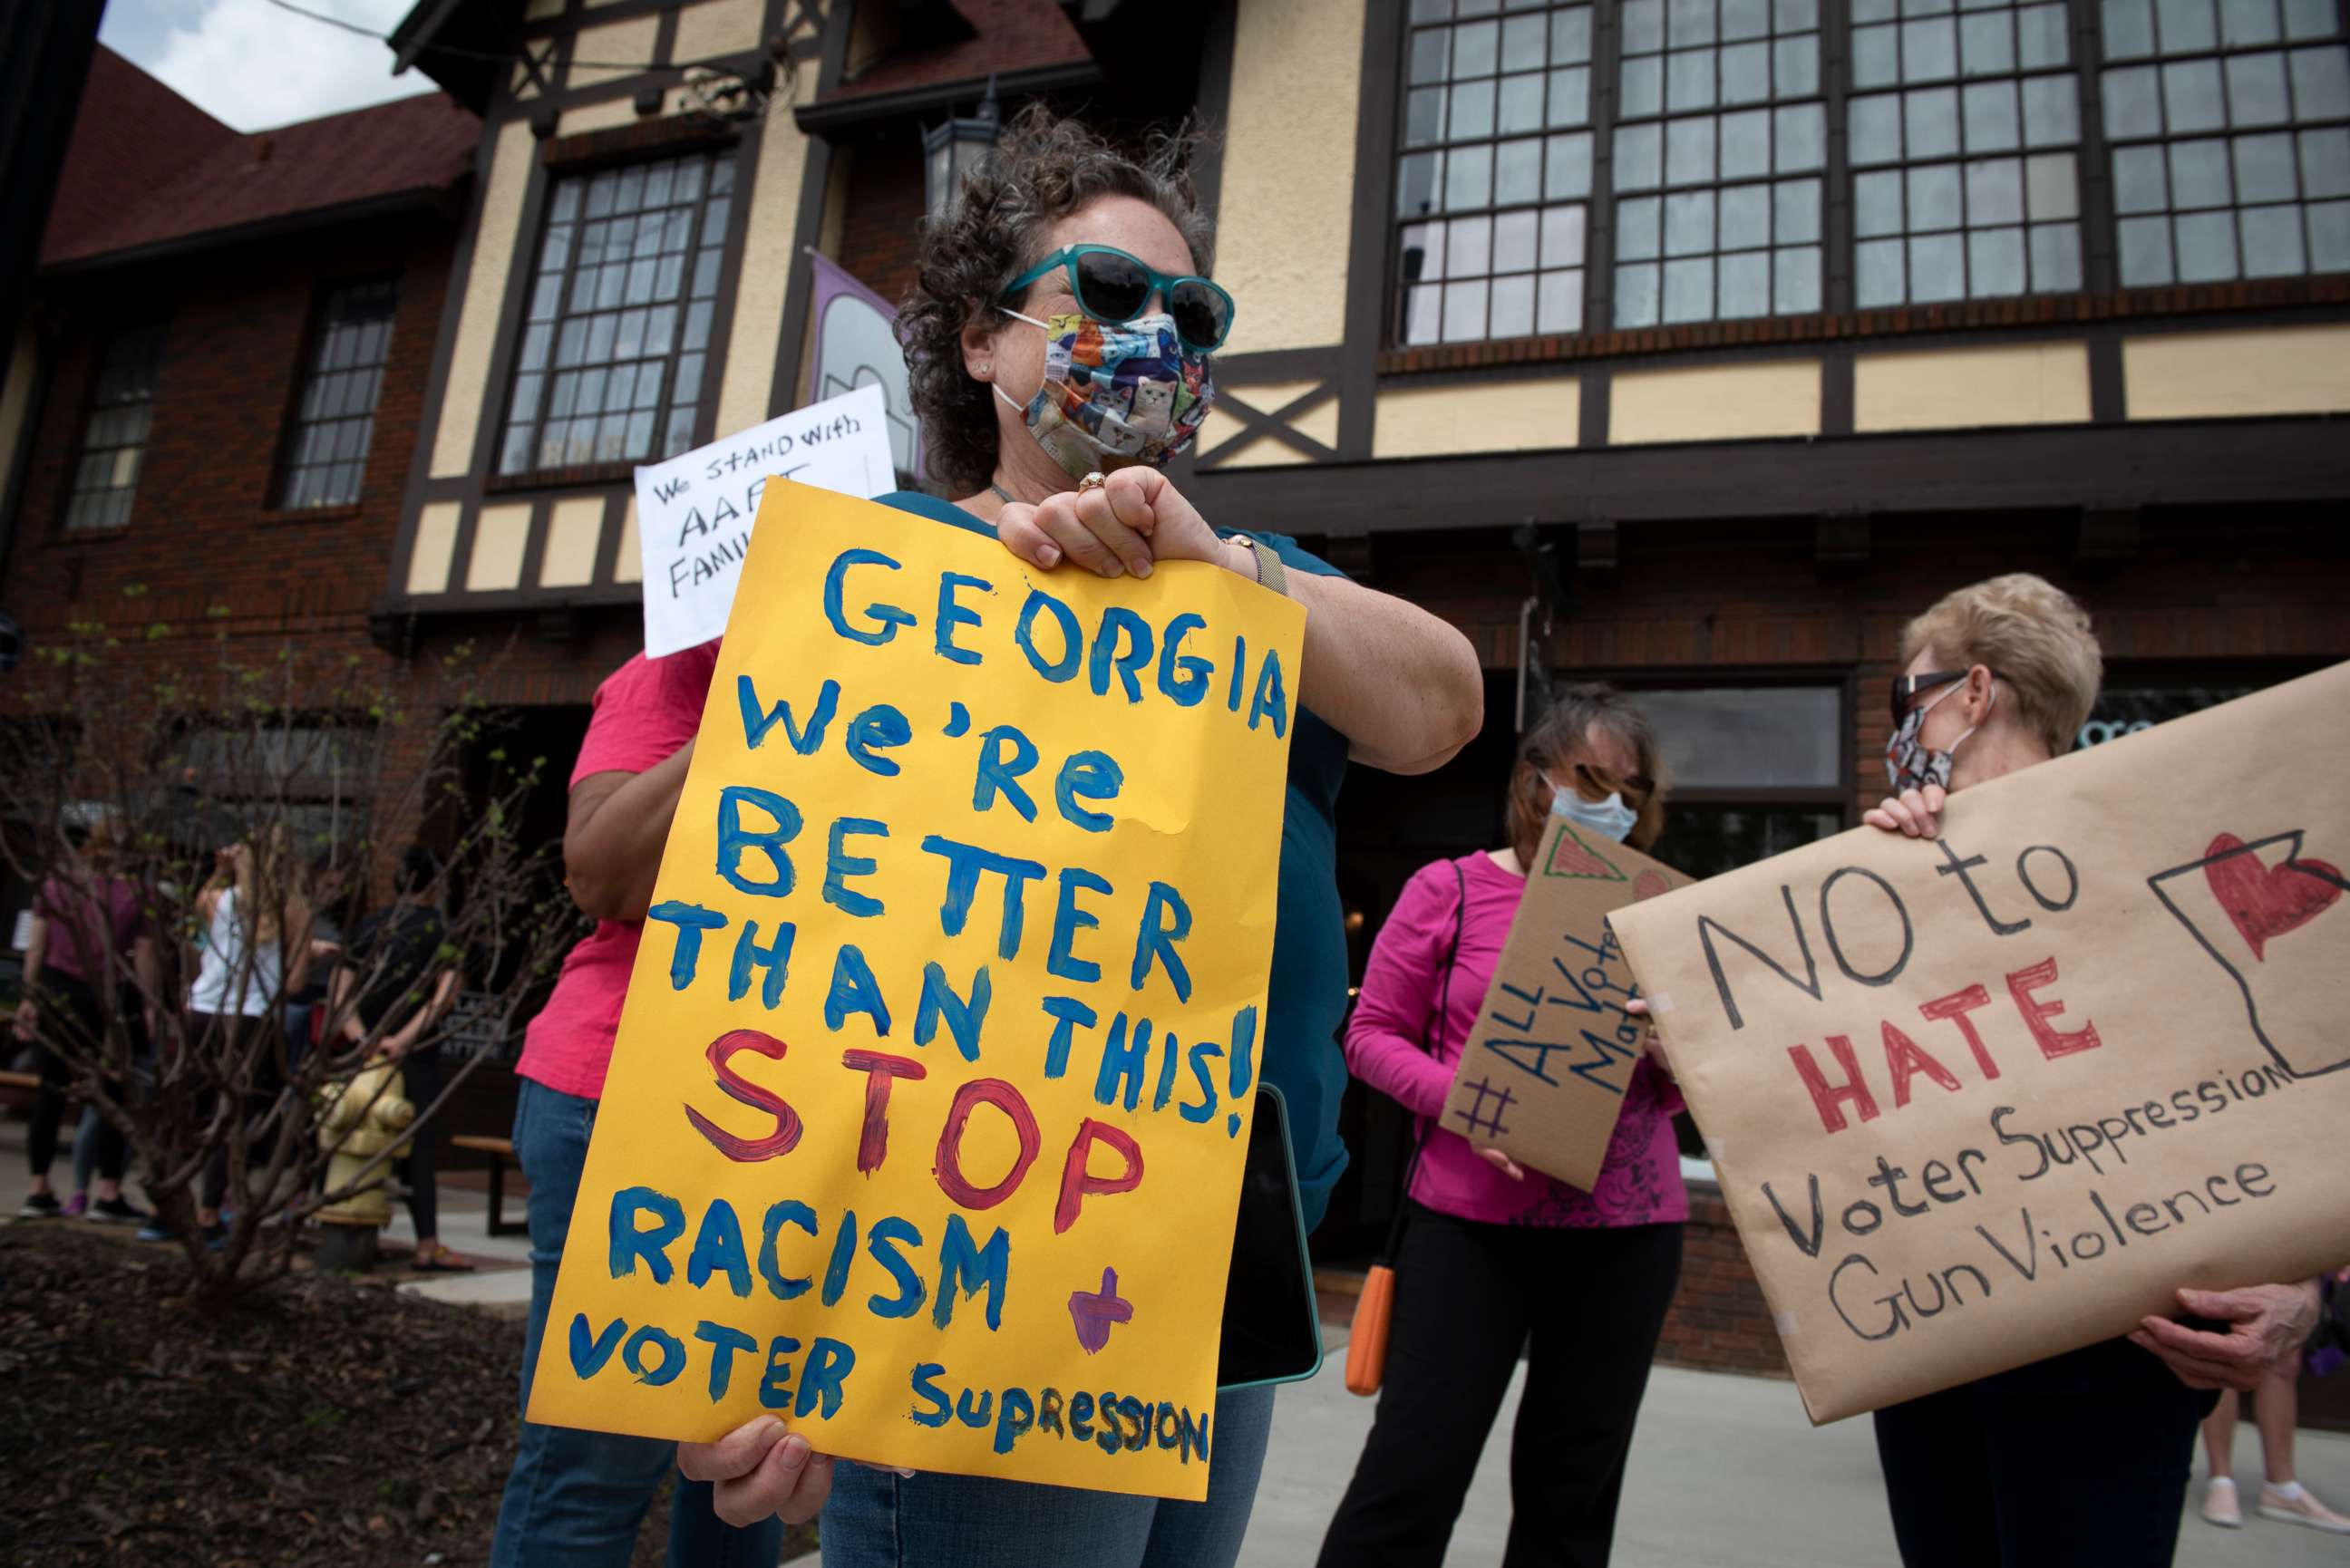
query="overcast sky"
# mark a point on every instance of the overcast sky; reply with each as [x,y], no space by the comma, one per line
[252,65]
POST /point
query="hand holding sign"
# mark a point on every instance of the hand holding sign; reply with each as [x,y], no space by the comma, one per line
[1134,517]
[760,1471]
[2267,1324]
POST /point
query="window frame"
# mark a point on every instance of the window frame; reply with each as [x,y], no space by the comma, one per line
[2156,59]
[159,328]
[283,472]
[508,371]
[2096,221]
[1599,97]
[1772,106]
[1964,157]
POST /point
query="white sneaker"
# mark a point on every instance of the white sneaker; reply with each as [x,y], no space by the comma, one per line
[2302,1510]
[2220,1505]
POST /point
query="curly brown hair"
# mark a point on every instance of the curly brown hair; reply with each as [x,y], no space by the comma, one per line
[1044,167]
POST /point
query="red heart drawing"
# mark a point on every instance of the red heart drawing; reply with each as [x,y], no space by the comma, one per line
[2267,901]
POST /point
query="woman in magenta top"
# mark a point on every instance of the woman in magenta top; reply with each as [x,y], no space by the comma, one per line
[1496,1260]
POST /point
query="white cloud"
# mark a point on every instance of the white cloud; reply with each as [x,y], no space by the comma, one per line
[253,66]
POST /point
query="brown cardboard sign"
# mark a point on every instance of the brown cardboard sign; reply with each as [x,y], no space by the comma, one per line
[1979,1099]
[1544,1073]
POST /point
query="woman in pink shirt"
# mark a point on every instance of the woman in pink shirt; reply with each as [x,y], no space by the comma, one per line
[1494,1256]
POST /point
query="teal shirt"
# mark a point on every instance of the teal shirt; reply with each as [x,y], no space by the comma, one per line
[1307,1000]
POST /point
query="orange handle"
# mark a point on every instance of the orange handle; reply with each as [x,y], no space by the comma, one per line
[1367,1344]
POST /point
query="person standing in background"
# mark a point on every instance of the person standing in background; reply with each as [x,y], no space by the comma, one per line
[88,933]
[327,883]
[255,952]
[2276,1408]
[1494,1256]
[394,985]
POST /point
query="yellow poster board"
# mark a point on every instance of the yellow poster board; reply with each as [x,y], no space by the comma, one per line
[925,1124]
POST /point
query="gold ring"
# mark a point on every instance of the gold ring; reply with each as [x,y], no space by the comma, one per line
[1092,482]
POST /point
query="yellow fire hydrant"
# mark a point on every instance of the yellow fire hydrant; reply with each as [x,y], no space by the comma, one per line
[359,1119]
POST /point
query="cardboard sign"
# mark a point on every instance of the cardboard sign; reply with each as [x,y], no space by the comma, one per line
[1544,1075]
[1979,1099]
[694,512]
[926,1123]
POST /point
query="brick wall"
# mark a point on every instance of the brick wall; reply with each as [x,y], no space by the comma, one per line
[2208,590]
[885,212]
[205,550]
[1719,1322]
[207,567]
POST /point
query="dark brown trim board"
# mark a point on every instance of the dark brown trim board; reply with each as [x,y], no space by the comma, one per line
[1367,252]
[2246,461]
[816,181]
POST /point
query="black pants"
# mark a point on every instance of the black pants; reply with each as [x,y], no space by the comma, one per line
[228,1035]
[1468,1299]
[69,1012]
[2083,1458]
[420,1075]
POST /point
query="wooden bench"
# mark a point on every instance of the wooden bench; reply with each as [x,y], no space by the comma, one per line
[19,1080]
[500,1151]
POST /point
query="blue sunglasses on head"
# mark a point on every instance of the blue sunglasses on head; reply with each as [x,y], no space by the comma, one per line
[1113,286]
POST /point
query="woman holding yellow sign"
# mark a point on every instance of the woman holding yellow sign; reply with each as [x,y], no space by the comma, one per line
[1058,338]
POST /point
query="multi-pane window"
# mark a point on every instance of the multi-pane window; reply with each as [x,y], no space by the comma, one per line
[1966,180]
[114,441]
[326,455]
[2230,126]
[612,364]
[1494,182]
[1721,141]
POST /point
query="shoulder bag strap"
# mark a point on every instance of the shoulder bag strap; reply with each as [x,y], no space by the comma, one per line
[1435,1025]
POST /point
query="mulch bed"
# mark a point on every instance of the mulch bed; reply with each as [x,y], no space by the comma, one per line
[324,1420]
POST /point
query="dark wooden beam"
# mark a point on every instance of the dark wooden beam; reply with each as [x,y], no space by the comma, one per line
[2245,461]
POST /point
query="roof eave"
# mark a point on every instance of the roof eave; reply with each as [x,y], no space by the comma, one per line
[831,116]
[422,198]
[466,79]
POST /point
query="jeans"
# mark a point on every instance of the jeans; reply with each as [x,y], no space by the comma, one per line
[2083,1458]
[1586,1306]
[575,1499]
[878,1519]
[75,1016]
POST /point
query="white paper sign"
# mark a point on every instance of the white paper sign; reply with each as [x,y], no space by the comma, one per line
[694,512]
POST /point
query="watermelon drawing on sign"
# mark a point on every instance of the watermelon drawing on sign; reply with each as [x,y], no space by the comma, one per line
[1571,857]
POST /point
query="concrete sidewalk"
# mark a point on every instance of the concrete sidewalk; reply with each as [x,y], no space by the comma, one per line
[1726,1472]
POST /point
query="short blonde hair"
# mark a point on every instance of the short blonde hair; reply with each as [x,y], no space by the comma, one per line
[2033,636]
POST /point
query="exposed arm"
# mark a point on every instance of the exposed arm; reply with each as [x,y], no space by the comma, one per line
[37,952]
[1399,989]
[37,949]
[342,1018]
[1400,684]
[296,947]
[444,992]
[613,837]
